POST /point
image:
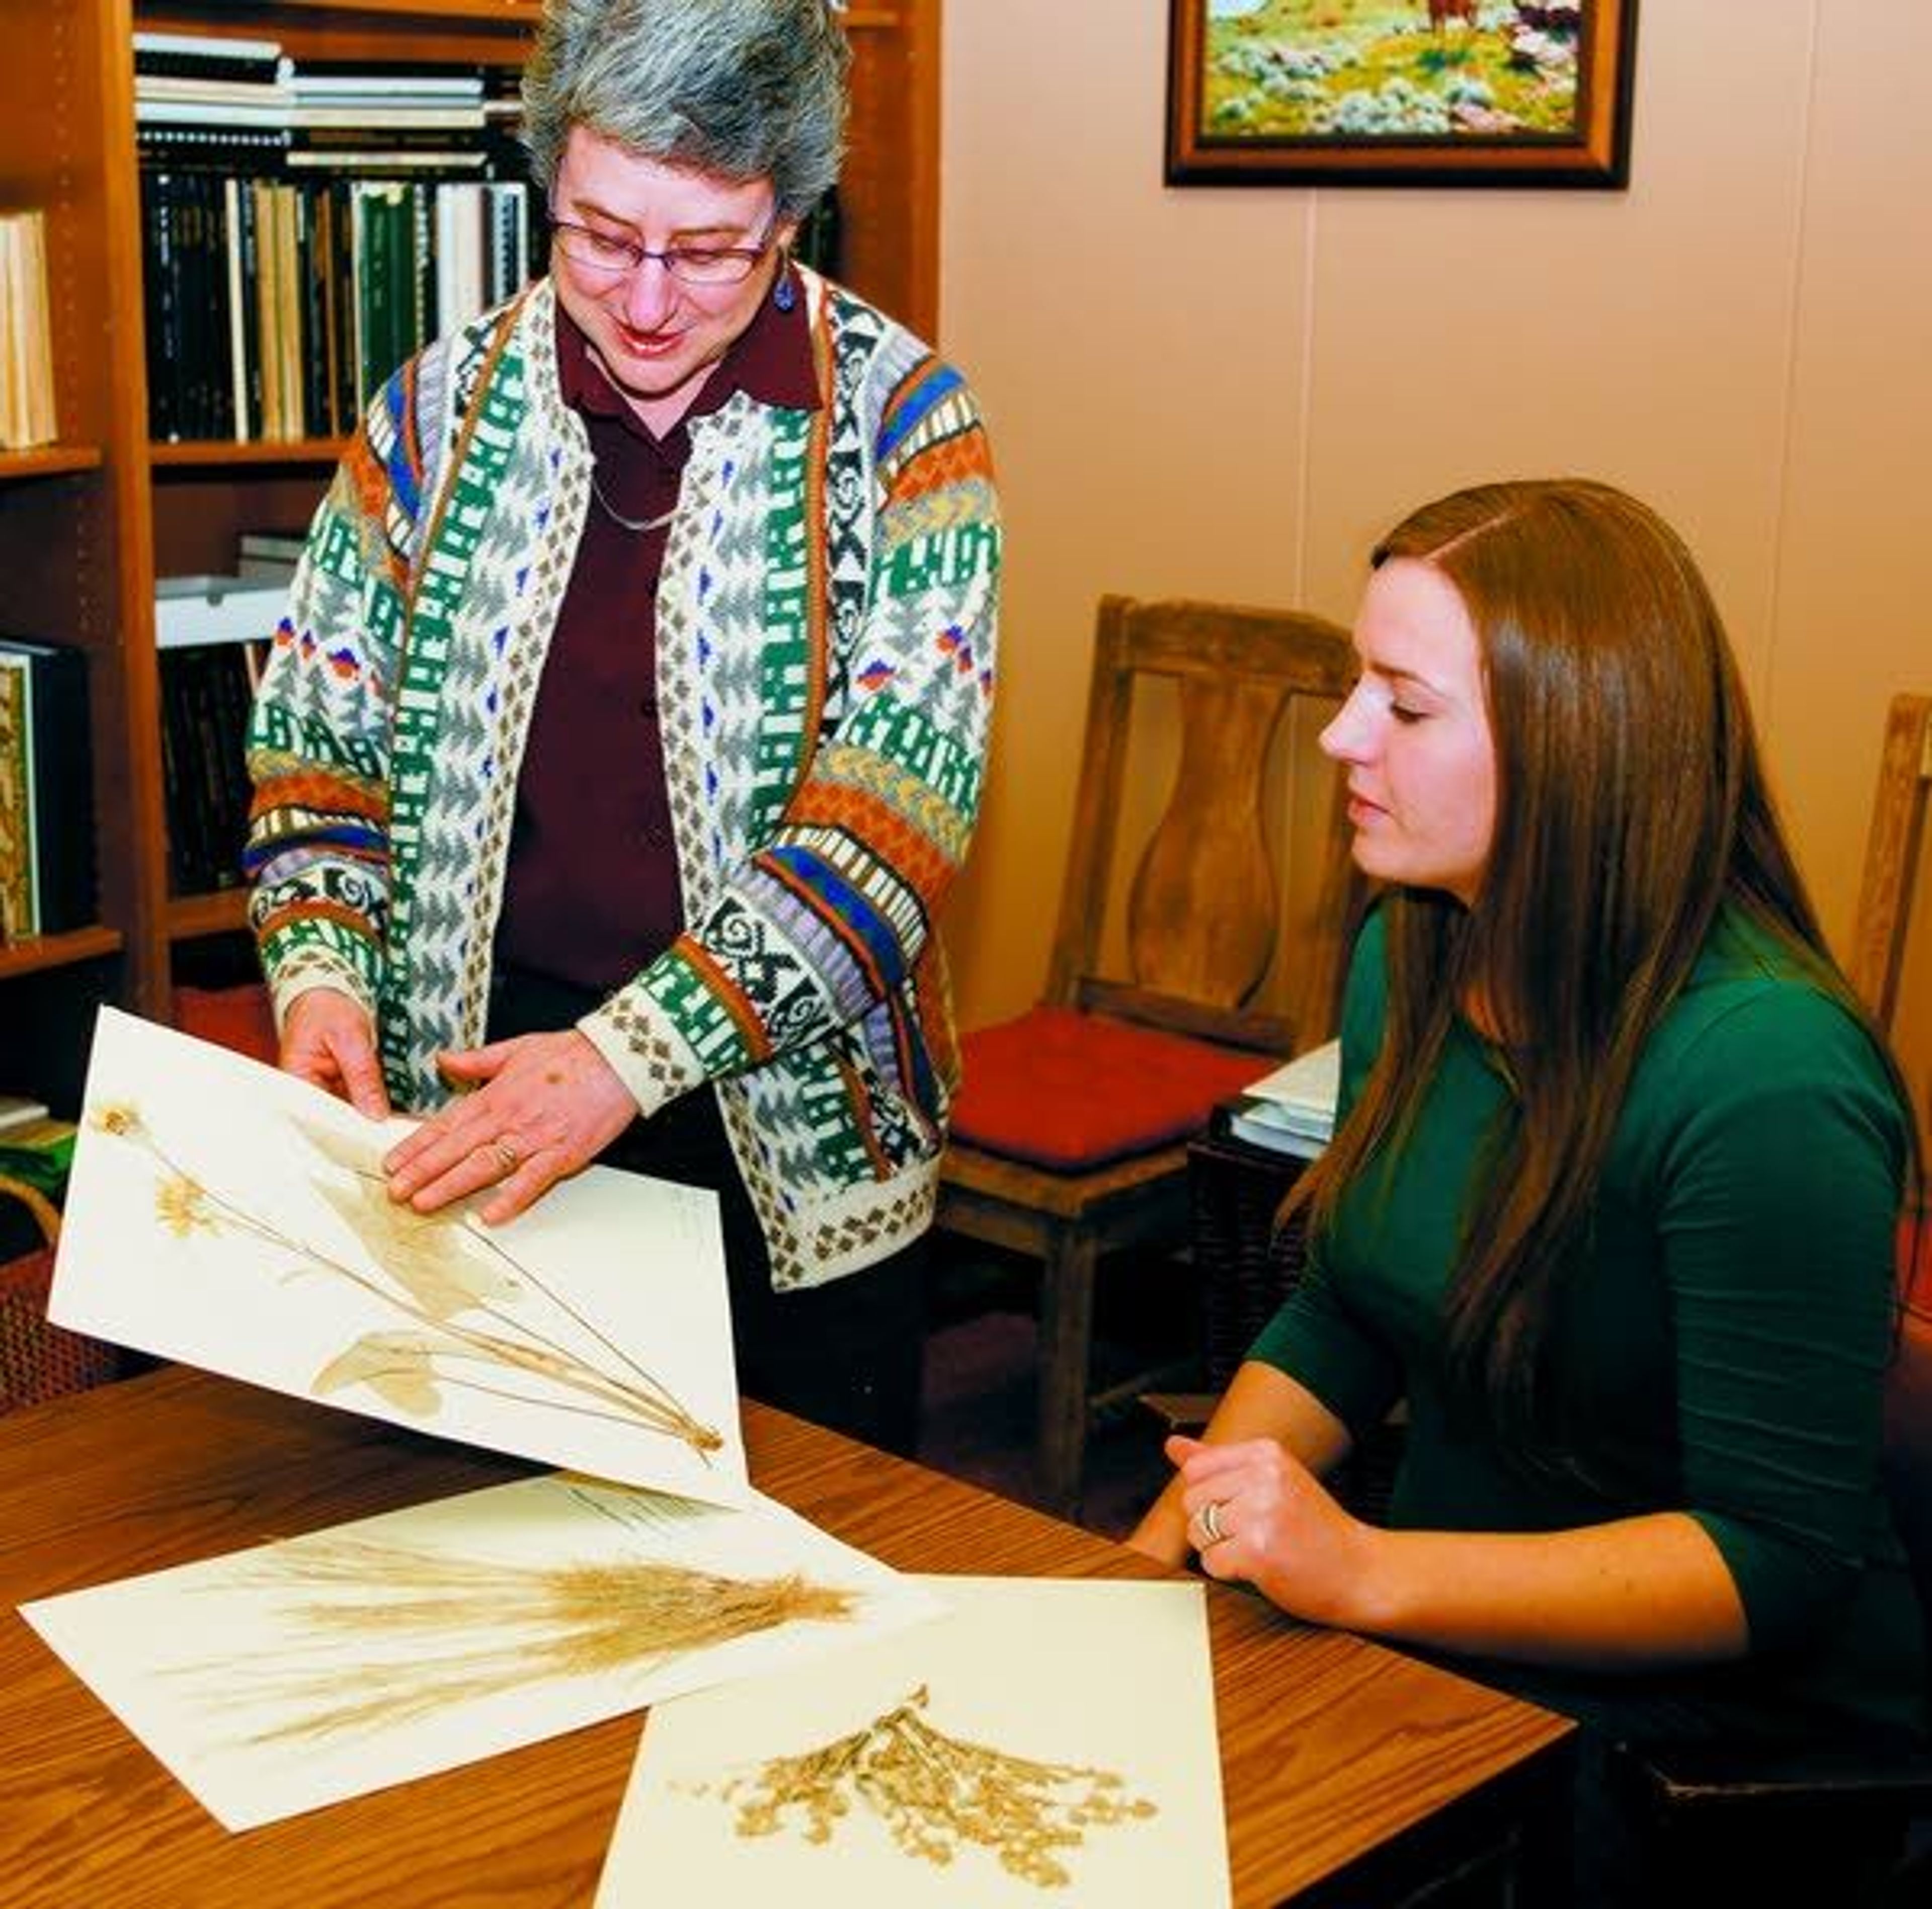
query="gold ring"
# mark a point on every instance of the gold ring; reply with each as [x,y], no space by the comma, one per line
[505,1149]
[1211,1522]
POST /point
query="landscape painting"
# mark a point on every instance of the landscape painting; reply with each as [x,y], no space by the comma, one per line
[1460,92]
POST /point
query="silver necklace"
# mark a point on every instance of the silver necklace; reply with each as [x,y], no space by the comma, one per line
[617,517]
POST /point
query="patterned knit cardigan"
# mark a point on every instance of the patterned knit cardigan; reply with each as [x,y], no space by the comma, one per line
[825,624]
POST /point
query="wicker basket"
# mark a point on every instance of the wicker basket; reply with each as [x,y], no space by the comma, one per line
[38,1360]
[1247,1268]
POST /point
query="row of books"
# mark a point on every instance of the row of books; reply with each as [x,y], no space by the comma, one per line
[47,790]
[206,691]
[213,633]
[26,353]
[206,81]
[276,308]
[306,226]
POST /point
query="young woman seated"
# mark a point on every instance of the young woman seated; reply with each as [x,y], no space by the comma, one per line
[1612,1203]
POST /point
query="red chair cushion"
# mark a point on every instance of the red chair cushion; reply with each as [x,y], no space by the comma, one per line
[1072,1092]
[237,1017]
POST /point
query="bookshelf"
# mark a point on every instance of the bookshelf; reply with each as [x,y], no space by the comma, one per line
[87,524]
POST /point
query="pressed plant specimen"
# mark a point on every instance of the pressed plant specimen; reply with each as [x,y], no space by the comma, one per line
[934,1793]
[468,1311]
[443,1629]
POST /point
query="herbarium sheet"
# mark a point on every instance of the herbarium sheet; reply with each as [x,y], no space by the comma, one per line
[224,1214]
[1047,1740]
[294,1674]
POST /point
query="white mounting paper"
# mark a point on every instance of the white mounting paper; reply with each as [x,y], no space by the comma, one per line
[225,1213]
[1090,1677]
[291,1675]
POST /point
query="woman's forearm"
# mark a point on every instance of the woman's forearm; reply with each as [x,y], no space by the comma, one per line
[1639,1593]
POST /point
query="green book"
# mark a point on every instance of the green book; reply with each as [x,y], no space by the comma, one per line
[41,1152]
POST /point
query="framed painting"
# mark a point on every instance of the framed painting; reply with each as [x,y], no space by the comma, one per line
[1400,92]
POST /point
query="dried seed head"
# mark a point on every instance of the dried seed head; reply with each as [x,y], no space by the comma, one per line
[935,1793]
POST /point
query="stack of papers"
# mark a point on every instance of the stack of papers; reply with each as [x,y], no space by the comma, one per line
[1292,1110]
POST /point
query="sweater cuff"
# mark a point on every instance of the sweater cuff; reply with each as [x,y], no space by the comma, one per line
[644,1049]
[305,972]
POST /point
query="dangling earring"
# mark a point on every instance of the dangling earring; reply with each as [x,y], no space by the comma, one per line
[784,293]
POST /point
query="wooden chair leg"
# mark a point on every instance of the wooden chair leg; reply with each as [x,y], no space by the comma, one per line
[1066,1344]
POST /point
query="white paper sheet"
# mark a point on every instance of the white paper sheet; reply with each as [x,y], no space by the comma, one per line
[226,1215]
[1094,1676]
[278,1679]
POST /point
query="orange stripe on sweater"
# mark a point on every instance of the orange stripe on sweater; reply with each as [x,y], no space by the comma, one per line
[733,998]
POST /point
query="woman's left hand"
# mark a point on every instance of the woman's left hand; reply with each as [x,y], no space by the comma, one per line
[543,1106]
[1257,1514]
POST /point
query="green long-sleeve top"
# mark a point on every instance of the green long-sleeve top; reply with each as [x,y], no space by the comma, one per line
[1725,1329]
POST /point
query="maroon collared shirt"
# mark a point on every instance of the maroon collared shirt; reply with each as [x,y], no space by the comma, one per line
[591,892]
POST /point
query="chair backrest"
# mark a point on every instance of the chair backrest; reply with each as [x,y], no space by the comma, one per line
[1893,856]
[1204,909]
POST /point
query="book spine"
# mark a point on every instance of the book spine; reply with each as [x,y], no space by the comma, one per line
[161,293]
[61,794]
[18,917]
[346,360]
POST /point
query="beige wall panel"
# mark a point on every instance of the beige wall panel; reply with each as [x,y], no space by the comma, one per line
[1854,621]
[1138,352]
[1641,336]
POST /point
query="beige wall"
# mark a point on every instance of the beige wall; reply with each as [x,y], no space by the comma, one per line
[1228,391]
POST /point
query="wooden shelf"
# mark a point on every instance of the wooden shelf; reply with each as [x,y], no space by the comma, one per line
[41,952]
[222,912]
[49,460]
[219,453]
[521,12]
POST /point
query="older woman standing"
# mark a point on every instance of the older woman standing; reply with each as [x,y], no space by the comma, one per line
[626,726]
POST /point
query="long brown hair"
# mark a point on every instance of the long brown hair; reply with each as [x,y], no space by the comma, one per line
[1631,806]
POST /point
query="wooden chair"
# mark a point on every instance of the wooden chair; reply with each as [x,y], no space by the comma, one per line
[1069,1136]
[1893,856]
[1848,1816]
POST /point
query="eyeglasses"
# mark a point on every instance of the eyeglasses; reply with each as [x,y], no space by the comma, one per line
[602,252]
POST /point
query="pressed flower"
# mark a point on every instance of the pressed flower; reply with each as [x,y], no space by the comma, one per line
[181,1205]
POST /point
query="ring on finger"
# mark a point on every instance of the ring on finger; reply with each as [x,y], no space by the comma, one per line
[1211,1522]
[509,1156]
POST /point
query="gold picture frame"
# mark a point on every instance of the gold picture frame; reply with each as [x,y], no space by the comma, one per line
[1400,92]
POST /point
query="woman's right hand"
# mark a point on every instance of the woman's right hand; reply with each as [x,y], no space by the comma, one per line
[327,1039]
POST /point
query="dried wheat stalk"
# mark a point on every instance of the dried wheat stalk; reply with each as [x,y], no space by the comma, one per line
[552,1621]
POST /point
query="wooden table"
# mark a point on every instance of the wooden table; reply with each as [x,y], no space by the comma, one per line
[1349,1771]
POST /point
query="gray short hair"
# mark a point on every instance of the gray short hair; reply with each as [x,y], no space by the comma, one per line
[745,89]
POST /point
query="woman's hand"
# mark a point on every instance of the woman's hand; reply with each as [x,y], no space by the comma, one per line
[1256,1514]
[327,1040]
[543,1106]
[1261,1403]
